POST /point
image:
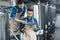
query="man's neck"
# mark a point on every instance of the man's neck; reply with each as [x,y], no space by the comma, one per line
[29,18]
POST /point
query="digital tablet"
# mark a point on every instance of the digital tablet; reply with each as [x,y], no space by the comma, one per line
[30,24]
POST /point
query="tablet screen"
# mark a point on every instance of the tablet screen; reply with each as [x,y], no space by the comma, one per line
[30,24]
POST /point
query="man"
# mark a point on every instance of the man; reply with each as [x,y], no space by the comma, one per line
[30,32]
[19,9]
[18,12]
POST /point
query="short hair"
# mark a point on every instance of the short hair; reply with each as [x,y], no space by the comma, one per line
[20,1]
[29,9]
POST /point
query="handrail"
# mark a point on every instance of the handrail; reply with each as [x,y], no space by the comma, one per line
[13,34]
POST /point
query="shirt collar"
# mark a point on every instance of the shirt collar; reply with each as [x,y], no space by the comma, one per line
[30,19]
[18,7]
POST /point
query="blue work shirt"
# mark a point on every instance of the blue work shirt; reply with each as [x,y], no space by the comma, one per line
[16,9]
[29,21]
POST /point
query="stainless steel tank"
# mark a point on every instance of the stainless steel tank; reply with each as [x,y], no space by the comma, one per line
[2,26]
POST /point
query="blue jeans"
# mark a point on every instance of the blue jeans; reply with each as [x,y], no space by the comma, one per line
[12,37]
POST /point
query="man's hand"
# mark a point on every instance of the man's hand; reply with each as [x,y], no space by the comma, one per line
[17,20]
[24,22]
[25,28]
[34,27]
[21,17]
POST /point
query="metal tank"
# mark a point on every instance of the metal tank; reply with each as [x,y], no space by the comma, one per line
[2,26]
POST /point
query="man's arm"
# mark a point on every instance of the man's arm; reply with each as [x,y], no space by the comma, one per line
[36,26]
[24,11]
[22,15]
[22,27]
[13,15]
[22,21]
[33,27]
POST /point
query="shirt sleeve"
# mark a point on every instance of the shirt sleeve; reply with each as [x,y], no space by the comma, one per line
[13,13]
[24,11]
[21,25]
[37,25]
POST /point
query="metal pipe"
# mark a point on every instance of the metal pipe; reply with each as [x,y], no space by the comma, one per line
[13,34]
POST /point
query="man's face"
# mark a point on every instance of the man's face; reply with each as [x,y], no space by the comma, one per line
[29,14]
[21,5]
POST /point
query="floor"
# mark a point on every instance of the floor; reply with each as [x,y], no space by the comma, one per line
[57,29]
